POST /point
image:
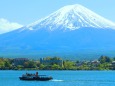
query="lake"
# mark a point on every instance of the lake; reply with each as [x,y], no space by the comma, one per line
[61,78]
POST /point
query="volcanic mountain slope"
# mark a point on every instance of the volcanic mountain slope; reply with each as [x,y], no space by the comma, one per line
[71,28]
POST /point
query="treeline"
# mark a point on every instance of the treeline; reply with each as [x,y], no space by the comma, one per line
[56,63]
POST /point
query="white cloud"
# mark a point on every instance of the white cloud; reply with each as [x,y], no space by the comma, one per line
[6,26]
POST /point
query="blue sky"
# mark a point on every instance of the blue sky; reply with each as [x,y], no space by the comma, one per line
[27,11]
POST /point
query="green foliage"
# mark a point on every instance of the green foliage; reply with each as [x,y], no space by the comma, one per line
[19,67]
[1,63]
[55,67]
[83,67]
[7,64]
[104,66]
[104,63]
[41,66]
[30,64]
[68,65]
[104,59]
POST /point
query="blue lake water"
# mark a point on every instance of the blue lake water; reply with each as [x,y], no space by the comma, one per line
[61,78]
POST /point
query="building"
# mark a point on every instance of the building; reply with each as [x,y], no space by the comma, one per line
[95,63]
[113,63]
[20,61]
[51,62]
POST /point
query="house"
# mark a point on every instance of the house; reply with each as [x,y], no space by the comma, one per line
[20,61]
[95,63]
[113,63]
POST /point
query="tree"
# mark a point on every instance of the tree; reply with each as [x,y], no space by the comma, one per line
[26,64]
[32,64]
[55,67]
[42,66]
[7,64]
[69,65]
[19,67]
[104,59]
[1,63]
[104,66]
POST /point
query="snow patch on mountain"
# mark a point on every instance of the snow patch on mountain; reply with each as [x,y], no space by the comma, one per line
[72,17]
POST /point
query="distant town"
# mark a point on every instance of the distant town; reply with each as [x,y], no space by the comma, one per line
[56,63]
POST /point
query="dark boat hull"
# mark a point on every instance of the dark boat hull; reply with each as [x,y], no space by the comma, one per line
[36,78]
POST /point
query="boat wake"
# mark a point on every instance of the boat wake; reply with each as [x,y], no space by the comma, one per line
[57,80]
[102,81]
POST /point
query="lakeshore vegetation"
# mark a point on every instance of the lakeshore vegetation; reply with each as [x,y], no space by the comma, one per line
[56,63]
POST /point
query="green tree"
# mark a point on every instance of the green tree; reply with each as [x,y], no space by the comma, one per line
[32,64]
[104,59]
[55,67]
[7,64]
[26,64]
[41,66]
[69,65]
[1,64]
[19,67]
[104,66]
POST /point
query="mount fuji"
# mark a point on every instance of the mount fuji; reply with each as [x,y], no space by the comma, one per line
[71,30]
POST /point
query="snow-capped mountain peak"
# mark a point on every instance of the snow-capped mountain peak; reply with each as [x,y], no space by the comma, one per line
[72,17]
[44,37]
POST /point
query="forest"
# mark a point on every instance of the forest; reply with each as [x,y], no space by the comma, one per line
[57,63]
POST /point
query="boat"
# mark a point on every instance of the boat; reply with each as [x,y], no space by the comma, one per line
[35,77]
